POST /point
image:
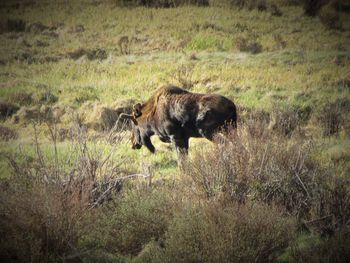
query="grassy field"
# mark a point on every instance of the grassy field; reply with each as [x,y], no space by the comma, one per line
[66,65]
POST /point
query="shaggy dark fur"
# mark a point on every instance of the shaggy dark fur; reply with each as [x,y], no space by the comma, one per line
[175,115]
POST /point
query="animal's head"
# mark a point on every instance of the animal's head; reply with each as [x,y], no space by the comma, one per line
[136,139]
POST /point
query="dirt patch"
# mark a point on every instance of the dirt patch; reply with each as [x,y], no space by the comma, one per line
[7,134]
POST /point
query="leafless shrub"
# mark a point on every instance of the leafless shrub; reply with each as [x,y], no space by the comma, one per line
[333,116]
[285,120]
[44,202]
[269,169]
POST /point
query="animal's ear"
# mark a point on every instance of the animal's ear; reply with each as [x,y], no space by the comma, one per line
[125,116]
[137,110]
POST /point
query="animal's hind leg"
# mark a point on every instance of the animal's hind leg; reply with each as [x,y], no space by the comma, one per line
[181,146]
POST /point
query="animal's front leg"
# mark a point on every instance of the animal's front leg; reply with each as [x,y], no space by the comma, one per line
[146,140]
[181,146]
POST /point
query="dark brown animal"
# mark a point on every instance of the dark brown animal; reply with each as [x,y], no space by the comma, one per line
[175,115]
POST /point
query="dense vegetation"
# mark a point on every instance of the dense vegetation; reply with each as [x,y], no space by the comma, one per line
[277,189]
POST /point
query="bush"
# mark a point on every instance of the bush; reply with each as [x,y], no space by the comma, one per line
[330,18]
[287,119]
[246,233]
[332,116]
[44,204]
[131,222]
[256,164]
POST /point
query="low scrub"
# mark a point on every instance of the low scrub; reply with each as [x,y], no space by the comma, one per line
[333,116]
[235,233]
[127,225]
[45,201]
[257,164]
